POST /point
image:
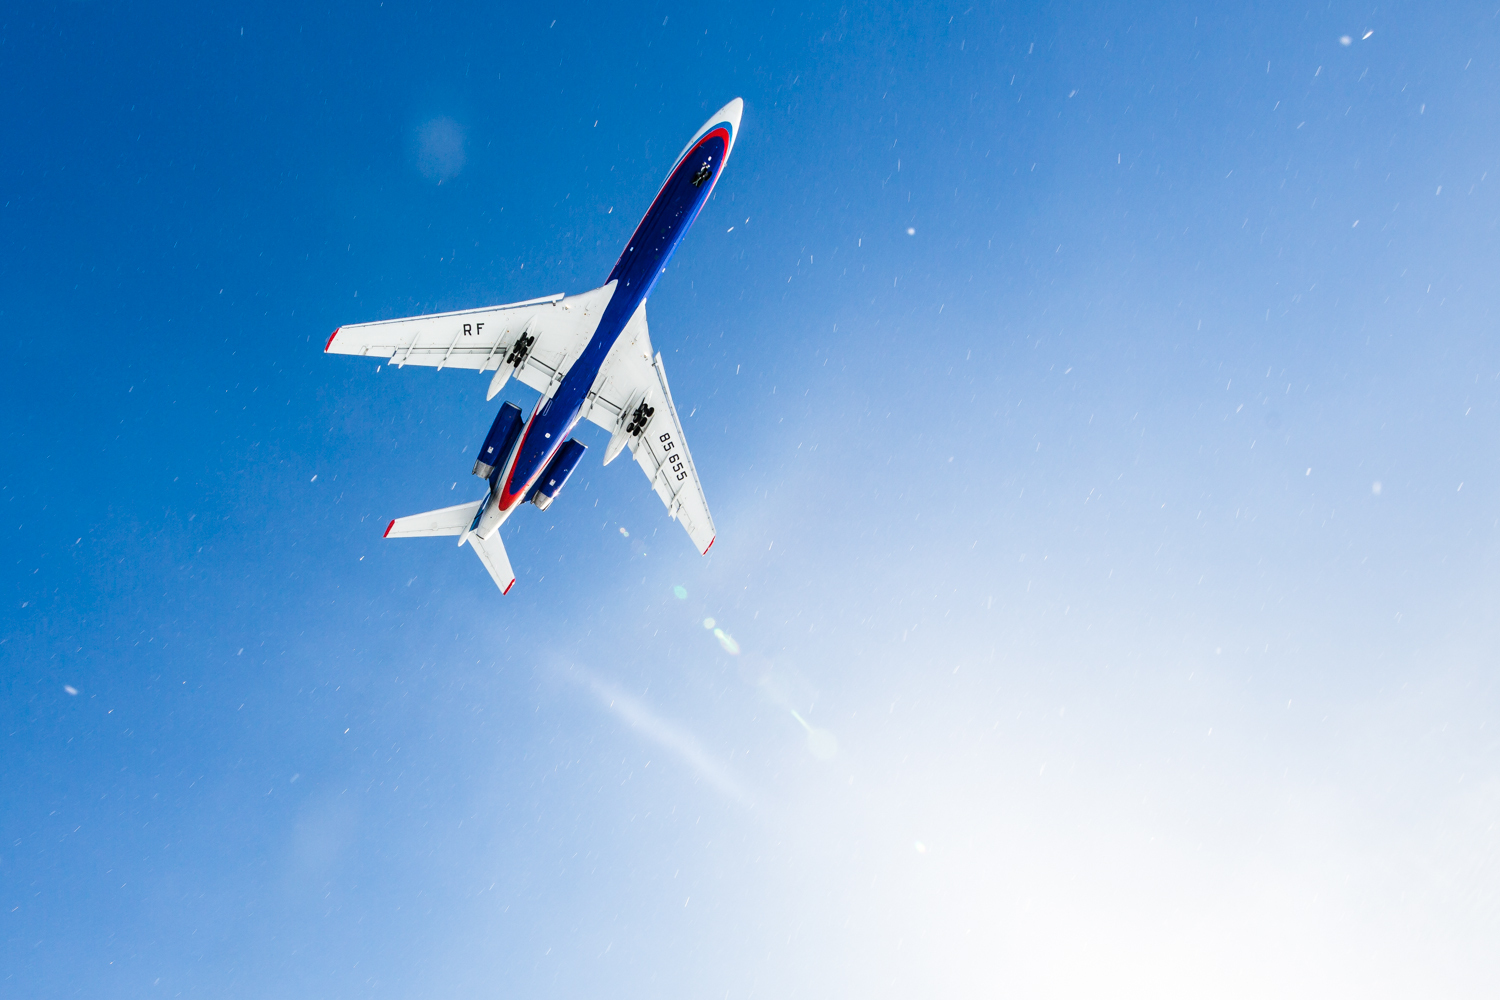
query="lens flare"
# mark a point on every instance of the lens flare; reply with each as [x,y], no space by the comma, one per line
[727,641]
[680,593]
[440,149]
[820,742]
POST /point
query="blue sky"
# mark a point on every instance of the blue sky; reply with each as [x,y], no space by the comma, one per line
[1097,406]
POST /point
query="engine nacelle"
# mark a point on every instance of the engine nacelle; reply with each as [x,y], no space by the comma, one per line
[504,433]
[557,472]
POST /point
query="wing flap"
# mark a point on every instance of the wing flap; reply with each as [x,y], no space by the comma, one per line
[662,453]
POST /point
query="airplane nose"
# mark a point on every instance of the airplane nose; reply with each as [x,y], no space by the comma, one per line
[732,111]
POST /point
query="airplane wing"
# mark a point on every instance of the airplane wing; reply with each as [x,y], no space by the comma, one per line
[538,340]
[631,400]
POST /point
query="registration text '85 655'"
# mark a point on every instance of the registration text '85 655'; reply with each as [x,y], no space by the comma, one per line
[674,457]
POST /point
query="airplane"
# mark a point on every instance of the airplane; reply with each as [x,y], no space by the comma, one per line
[590,357]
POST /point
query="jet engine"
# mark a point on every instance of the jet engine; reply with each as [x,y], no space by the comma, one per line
[557,473]
[502,437]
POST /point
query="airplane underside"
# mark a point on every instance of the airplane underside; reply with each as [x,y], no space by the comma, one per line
[588,355]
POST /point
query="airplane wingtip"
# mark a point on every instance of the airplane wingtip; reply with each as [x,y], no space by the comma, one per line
[335,333]
[388,528]
[508,586]
[710,544]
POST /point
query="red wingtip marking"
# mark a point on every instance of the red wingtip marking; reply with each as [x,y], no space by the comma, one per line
[326,346]
[388,528]
[711,544]
[508,586]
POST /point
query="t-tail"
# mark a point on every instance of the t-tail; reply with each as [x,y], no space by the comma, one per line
[478,522]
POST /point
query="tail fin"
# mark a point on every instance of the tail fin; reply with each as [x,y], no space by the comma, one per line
[491,552]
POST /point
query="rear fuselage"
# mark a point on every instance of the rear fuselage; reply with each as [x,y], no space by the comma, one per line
[635,274]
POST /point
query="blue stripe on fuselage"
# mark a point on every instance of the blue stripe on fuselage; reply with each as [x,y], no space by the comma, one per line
[645,258]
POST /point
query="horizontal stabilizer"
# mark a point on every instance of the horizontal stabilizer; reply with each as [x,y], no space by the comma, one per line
[448,521]
[491,552]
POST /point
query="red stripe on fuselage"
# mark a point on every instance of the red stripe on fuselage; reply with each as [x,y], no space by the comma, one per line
[507,498]
[720,131]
